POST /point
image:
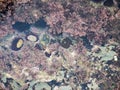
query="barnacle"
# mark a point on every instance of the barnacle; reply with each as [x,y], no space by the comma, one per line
[66,42]
[17,44]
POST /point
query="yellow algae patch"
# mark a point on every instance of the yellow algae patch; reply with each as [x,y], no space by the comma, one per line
[19,43]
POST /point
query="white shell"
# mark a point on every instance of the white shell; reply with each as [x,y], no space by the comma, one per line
[115,58]
[32,38]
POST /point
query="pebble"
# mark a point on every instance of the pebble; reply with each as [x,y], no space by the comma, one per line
[32,38]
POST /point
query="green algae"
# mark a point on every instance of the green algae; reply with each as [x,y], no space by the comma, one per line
[106,53]
[39,86]
[10,83]
[42,86]
[3,79]
[44,40]
[31,85]
[15,86]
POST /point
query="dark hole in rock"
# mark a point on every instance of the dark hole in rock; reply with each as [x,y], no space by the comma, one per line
[118,1]
[7,83]
[108,3]
[41,23]
[58,34]
[44,89]
[47,54]
[54,82]
[3,12]
[91,35]
[101,86]
[116,63]
[39,47]
[119,5]
[109,62]
[26,81]
[52,41]
[66,43]
[21,26]
[9,5]
[9,79]
[97,1]
[86,42]
[84,86]
[109,36]
[9,66]
[57,54]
